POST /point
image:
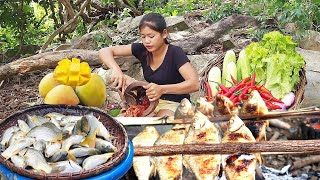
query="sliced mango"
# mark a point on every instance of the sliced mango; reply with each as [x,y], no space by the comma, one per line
[72,72]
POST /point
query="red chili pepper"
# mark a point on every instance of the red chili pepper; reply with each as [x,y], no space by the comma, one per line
[253,79]
[245,91]
[235,99]
[264,89]
[208,89]
[237,87]
[233,80]
[232,96]
[223,88]
[269,97]
[272,106]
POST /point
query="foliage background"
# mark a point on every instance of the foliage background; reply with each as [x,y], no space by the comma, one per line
[31,22]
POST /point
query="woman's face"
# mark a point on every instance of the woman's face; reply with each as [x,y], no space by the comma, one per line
[152,39]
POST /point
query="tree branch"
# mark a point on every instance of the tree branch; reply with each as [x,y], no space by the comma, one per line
[55,20]
[43,48]
[70,15]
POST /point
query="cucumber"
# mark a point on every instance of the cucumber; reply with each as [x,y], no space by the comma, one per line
[244,67]
[229,57]
[231,70]
[214,79]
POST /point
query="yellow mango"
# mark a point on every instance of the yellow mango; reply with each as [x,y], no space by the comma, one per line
[46,84]
[62,94]
[93,93]
[72,72]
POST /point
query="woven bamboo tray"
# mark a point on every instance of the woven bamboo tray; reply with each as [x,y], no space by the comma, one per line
[114,127]
[218,61]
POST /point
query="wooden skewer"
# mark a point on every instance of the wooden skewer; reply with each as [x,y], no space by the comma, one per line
[127,121]
[306,146]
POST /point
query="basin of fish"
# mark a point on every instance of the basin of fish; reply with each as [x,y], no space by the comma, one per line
[57,143]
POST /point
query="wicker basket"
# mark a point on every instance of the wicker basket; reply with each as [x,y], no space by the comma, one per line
[114,127]
[218,61]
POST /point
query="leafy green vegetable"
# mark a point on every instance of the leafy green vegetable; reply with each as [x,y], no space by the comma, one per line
[114,112]
[276,63]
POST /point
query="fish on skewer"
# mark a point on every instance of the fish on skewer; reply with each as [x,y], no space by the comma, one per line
[238,132]
[143,166]
[202,131]
[184,110]
[170,167]
[255,105]
[204,107]
[224,106]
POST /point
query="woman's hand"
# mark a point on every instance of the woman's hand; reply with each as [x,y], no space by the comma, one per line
[118,79]
[153,91]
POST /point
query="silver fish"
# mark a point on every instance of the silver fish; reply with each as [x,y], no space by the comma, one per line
[105,146]
[39,145]
[52,126]
[101,129]
[74,139]
[84,151]
[59,155]
[67,129]
[96,160]
[23,126]
[69,119]
[81,127]
[143,166]
[44,133]
[54,116]
[65,167]
[34,120]
[18,161]
[90,140]
[170,167]
[18,146]
[8,134]
[36,160]
[51,148]
[16,136]
[203,166]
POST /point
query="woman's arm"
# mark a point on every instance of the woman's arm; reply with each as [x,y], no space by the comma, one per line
[106,55]
[191,84]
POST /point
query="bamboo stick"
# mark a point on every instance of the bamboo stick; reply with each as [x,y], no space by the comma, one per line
[306,146]
[127,121]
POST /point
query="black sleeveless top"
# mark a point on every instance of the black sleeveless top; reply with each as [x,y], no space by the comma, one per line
[167,72]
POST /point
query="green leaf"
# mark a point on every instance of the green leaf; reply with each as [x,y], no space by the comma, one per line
[114,112]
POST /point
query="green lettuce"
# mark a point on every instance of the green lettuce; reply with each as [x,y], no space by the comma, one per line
[276,63]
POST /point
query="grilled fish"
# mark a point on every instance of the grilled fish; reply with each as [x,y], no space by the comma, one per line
[223,106]
[170,167]
[256,105]
[238,132]
[184,110]
[202,131]
[143,167]
[204,107]
[240,166]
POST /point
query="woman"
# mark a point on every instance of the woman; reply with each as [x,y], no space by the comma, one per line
[168,70]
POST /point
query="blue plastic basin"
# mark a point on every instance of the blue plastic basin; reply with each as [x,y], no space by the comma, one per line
[115,173]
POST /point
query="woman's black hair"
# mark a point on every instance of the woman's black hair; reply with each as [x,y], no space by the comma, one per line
[155,22]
